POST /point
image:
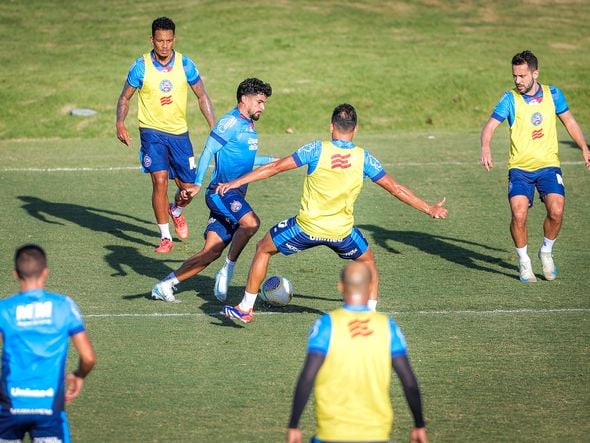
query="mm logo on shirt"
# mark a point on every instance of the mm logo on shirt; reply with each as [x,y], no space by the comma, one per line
[34,314]
[340,161]
[359,327]
[537,119]
[165,86]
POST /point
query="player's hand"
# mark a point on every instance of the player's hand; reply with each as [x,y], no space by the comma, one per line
[123,135]
[586,156]
[74,386]
[186,195]
[437,210]
[294,435]
[222,188]
[486,158]
[418,435]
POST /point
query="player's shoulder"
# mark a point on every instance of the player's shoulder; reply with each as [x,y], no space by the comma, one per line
[186,60]
[228,122]
[555,90]
[311,146]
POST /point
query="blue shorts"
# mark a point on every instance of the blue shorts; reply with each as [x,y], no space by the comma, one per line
[314,439]
[546,180]
[289,239]
[225,213]
[14,427]
[161,151]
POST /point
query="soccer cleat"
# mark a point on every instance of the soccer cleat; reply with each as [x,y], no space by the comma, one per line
[222,279]
[163,291]
[549,268]
[180,225]
[165,247]
[526,272]
[236,313]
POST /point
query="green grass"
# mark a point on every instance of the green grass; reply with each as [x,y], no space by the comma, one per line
[485,376]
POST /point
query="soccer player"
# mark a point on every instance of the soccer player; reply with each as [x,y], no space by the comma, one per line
[35,326]
[234,144]
[533,162]
[335,172]
[350,354]
[163,77]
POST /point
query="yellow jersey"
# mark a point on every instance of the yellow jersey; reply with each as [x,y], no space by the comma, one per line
[533,134]
[352,401]
[163,97]
[330,191]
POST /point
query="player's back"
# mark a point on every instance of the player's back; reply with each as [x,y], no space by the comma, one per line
[36,326]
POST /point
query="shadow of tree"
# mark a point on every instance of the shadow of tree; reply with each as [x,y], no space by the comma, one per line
[444,247]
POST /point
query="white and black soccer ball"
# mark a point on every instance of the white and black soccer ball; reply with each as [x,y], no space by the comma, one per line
[276,291]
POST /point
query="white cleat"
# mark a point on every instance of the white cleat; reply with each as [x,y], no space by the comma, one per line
[549,268]
[164,292]
[526,272]
[222,279]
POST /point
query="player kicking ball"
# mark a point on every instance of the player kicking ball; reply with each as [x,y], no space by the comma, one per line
[335,173]
[233,143]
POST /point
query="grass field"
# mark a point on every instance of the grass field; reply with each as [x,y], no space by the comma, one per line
[498,361]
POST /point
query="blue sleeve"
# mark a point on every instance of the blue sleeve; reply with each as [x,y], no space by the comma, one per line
[319,336]
[505,108]
[308,155]
[75,321]
[213,145]
[399,346]
[261,160]
[191,71]
[372,167]
[136,74]
[559,100]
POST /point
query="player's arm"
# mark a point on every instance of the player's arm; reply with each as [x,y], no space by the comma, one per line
[575,132]
[75,380]
[266,171]
[205,104]
[405,195]
[122,111]
[486,139]
[312,365]
[404,371]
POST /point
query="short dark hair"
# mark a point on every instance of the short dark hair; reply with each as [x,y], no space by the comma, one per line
[29,261]
[163,23]
[344,117]
[526,58]
[253,86]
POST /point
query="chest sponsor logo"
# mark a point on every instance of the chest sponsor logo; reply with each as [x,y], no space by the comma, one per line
[34,314]
[537,119]
[166,100]
[253,144]
[359,328]
[341,161]
[535,135]
[166,86]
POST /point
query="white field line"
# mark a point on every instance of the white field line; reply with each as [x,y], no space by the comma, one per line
[441,312]
[132,168]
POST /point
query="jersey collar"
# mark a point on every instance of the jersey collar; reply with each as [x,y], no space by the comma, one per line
[167,65]
[356,308]
[343,144]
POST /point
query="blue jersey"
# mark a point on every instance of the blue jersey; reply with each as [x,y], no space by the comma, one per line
[234,143]
[137,72]
[310,155]
[505,109]
[36,326]
[321,331]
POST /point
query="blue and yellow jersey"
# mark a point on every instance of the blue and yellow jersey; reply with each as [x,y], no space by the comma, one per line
[163,91]
[532,121]
[352,401]
[36,326]
[335,173]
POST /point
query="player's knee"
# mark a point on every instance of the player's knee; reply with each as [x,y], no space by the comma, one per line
[519,216]
[160,181]
[250,224]
[556,214]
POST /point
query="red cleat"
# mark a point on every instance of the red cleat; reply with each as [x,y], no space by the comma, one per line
[165,247]
[180,225]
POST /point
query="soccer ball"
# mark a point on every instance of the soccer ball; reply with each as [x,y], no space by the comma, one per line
[276,291]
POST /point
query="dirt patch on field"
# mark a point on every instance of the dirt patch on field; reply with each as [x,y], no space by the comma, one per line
[567,46]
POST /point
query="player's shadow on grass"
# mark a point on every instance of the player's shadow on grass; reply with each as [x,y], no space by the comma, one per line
[444,247]
[94,219]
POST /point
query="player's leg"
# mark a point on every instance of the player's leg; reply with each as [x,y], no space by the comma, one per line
[14,427]
[51,428]
[520,193]
[369,259]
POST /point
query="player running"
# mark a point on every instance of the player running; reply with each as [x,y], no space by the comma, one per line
[163,77]
[335,172]
[350,354]
[533,162]
[234,143]
[36,326]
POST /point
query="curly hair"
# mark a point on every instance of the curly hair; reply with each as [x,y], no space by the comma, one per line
[253,86]
[344,117]
[526,58]
[163,23]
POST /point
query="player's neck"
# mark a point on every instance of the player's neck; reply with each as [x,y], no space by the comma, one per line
[534,90]
[163,61]
[243,111]
[30,285]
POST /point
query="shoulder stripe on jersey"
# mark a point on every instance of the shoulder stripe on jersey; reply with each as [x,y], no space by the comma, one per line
[218,138]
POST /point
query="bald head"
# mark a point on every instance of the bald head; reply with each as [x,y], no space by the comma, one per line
[355,283]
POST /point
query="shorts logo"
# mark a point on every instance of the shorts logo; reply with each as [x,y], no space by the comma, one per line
[165,86]
[340,161]
[147,161]
[291,247]
[350,253]
[535,135]
[211,221]
[559,179]
[235,206]
[537,119]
